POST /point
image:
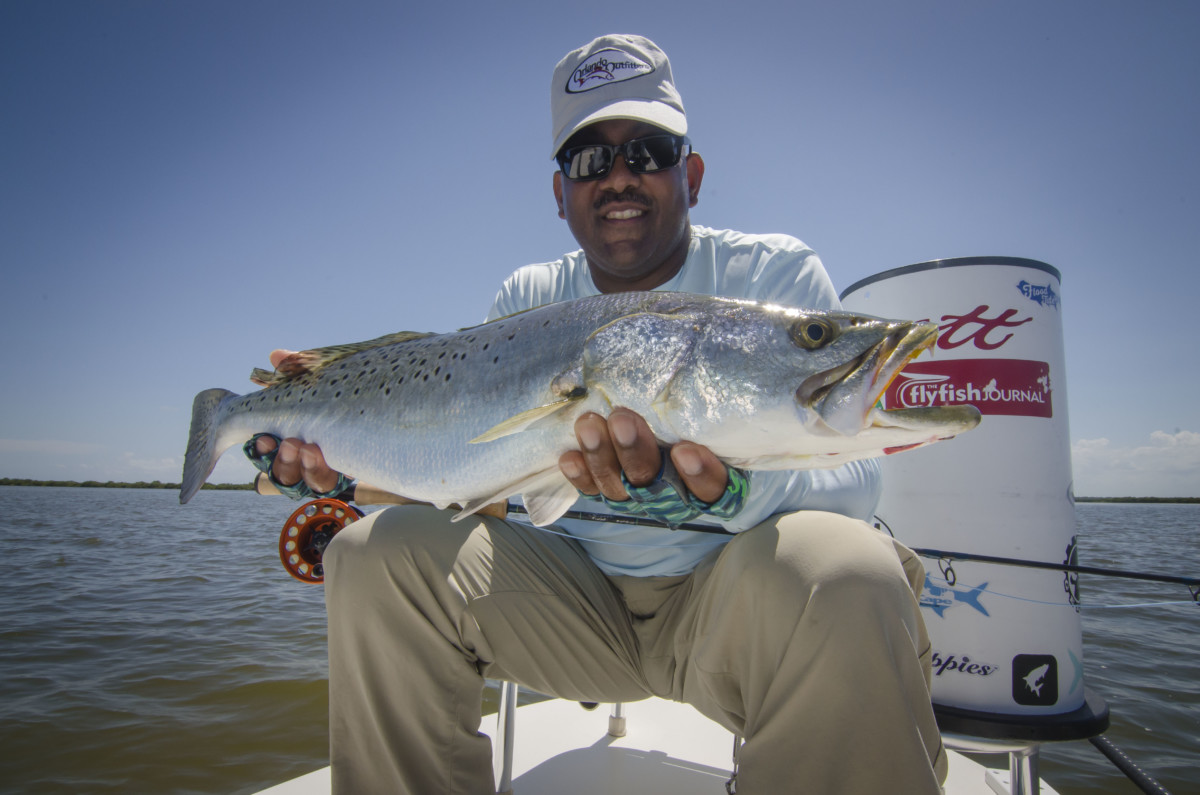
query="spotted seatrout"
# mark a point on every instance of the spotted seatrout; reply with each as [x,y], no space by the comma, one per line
[482,414]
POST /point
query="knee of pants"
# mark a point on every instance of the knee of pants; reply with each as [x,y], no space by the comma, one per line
[810,552]
[388,542]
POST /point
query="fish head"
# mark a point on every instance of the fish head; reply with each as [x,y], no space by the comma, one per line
[853,358]
[797,386]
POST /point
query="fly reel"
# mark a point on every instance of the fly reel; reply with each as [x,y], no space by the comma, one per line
[306,534]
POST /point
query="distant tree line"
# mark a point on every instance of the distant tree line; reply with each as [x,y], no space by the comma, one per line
[1139,499]
[111,484]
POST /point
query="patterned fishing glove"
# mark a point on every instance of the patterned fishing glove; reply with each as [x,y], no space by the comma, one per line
[667,500]
[297,491]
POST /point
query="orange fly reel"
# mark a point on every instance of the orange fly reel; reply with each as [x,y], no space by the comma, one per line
[308,531]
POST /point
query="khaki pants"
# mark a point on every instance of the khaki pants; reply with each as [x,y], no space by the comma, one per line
[803,635]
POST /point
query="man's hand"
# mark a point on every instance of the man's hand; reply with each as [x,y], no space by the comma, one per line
[624,443]
[297,460]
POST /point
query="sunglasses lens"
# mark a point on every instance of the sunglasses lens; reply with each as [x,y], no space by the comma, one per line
[648,155]
[587,162]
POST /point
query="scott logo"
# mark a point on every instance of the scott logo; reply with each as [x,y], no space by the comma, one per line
[974,327]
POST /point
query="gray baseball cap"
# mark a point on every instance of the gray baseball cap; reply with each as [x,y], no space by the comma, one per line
[614,77]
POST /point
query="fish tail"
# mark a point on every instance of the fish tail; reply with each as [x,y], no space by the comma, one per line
[203,448]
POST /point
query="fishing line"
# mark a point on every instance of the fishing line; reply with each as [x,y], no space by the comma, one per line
[1088,605]
[1192,583]
[583,540]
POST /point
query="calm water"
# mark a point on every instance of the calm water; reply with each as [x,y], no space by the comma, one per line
[146,647]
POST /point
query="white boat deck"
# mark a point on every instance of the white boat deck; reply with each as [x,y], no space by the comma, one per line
[669,749]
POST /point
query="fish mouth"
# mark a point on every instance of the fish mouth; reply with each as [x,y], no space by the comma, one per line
[843,396]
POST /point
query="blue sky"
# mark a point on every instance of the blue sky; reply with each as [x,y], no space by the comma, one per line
[186,185]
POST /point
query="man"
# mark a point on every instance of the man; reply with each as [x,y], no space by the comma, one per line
[801,632]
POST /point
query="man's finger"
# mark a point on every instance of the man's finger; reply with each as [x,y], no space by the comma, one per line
[702,472]
[574,468]
[635,445]
[599,456]
[264,444]
[317,474]
[279,355]
[286,468]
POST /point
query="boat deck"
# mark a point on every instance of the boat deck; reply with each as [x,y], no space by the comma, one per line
[669,749]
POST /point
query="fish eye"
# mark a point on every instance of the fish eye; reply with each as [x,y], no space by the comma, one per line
[811,334]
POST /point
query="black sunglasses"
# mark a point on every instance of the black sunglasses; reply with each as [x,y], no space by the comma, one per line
[642,155]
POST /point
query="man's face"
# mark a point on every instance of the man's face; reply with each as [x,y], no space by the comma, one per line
[634,228]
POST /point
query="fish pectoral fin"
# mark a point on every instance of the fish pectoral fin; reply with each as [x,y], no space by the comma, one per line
[309,361]
[525,420]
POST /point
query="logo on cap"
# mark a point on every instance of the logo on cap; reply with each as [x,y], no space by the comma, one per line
[604,68]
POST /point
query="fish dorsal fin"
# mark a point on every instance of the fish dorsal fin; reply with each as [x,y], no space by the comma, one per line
[311,360]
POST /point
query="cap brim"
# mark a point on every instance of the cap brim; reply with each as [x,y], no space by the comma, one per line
[656,113]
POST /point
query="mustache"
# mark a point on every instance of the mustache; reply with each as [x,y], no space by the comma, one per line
[627,196]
